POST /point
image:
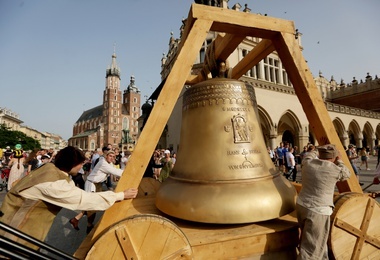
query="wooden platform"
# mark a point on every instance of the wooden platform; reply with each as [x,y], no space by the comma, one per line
[274,239]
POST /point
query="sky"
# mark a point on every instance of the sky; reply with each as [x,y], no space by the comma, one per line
[54,54]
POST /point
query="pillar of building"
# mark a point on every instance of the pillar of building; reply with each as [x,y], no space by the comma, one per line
[359,140]
[371,142]
[273,137]
[303,136]
[344,139]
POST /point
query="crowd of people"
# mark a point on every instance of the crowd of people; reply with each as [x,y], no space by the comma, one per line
[161,164]
[32,203]
[46,181]
[20,163]
[288,159]
[106,165]
[100,170]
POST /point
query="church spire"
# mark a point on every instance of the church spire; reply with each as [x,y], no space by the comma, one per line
[113,70]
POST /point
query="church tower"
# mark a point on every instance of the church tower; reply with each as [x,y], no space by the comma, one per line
[112,106]
[115,121]
[131,103]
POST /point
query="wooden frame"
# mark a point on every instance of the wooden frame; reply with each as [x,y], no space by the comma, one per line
[278,35]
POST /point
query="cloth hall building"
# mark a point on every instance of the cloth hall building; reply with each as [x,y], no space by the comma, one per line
[353,107]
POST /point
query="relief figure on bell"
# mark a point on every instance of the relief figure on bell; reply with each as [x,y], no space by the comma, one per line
[240,129]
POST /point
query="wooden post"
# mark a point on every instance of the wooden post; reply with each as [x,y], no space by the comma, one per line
[311,101]
[148,140]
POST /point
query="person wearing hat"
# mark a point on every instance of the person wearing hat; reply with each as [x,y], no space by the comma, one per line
[44,159]
[101,171]
[33,203]
[167,166]
[17,166]
[94,183]
[322,168]
[105,149]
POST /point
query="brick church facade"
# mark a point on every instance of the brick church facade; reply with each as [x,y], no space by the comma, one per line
[115,121]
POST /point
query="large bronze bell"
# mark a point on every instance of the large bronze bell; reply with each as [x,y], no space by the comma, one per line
[223,173]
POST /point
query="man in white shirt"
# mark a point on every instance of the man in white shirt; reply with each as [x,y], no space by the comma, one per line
[101,171]
[95,179]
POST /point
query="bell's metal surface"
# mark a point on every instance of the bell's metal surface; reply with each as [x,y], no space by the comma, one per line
[223,173]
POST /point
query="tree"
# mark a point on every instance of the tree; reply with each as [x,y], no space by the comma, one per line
[11,138]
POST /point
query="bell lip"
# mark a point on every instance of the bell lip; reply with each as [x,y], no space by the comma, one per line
[188,203]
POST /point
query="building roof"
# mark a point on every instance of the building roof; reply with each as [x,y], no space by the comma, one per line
[86,133]
[91,113]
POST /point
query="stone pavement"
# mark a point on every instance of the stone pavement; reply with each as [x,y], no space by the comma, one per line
[67,239]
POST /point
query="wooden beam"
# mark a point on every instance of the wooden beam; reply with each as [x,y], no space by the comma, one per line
[311,100]
[224,46]
[193,79]
[150,136]
[188,27]
[235,22]
[262,50]
[237,25]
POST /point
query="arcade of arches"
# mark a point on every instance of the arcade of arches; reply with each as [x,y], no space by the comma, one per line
[289,129]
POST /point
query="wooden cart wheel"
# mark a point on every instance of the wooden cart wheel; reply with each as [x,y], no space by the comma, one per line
[343,195]
[355,228]
[144,236]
